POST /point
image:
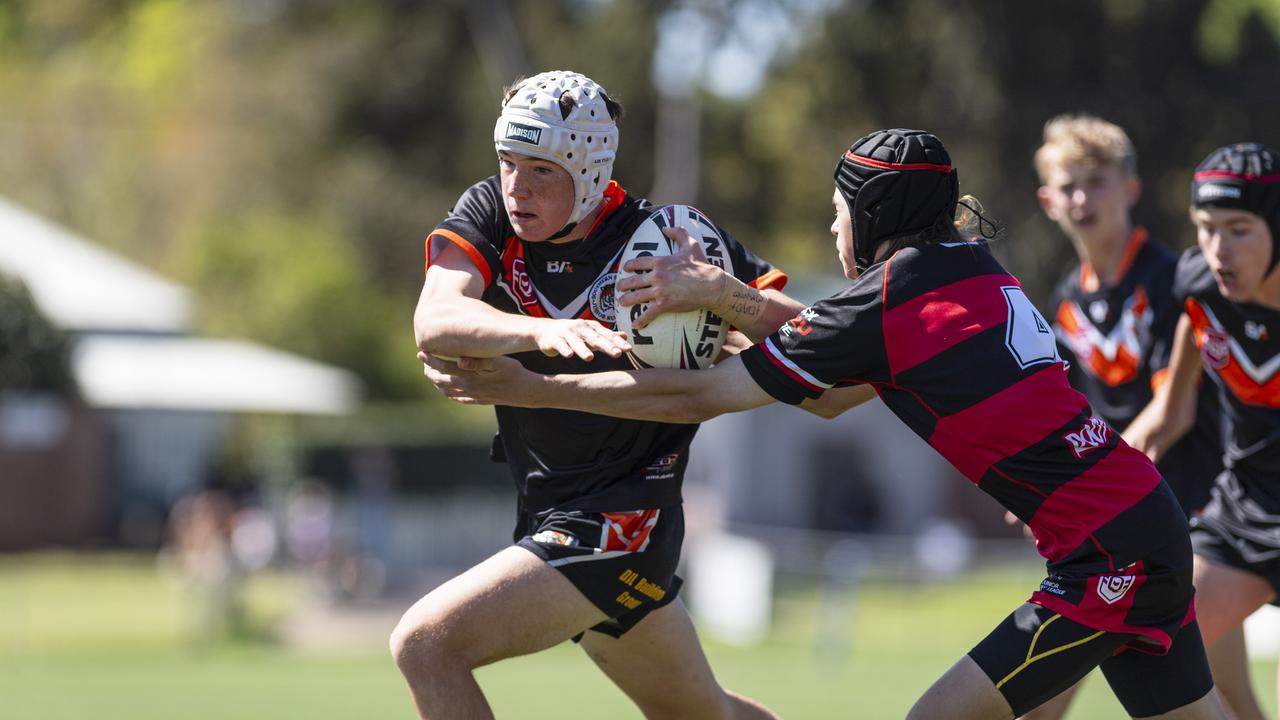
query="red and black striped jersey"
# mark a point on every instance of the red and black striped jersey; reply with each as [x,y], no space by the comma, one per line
[956,350]
[1117,340]
[561,458]
[1240,346]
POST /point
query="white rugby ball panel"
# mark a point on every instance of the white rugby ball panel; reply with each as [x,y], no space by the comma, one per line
[675,340]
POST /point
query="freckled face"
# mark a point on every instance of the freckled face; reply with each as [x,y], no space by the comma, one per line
[538,195]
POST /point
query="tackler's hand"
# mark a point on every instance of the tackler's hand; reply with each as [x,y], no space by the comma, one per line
[580,338]
[482,381]
[678,282]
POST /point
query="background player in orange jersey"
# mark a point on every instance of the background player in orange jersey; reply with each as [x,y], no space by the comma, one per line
[1114,313]
[1229,290]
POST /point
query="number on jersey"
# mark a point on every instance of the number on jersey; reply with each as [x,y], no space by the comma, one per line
[1029,337]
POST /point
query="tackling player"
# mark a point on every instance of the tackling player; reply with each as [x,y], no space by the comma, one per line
[1230,294]
[525,264]
[935,327]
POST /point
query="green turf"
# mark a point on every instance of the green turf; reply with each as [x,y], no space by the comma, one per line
[102,637]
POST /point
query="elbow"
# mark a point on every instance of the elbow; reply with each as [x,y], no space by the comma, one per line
[428,329]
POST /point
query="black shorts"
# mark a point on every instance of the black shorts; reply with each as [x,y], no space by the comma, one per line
[1234,531]
[623,562]
[1035,654]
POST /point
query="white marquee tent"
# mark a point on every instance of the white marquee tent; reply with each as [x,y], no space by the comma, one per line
[132,347]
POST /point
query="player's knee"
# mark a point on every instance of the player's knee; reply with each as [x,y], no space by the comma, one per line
[420,645]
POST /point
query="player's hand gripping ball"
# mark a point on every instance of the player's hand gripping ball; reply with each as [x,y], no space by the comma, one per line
[674,340]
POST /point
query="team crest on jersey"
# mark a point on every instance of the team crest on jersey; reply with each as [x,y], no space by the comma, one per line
[1113,587]
[1091,436]
[1215,347]
[601,298]
[522,284]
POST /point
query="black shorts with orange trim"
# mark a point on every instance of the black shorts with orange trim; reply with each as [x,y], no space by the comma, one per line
[623,562]
[1035,654]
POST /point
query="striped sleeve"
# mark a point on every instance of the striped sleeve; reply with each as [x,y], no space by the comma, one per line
[834,342]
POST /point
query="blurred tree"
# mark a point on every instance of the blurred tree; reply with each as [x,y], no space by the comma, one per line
[34,355]
[286,158]
[985,77]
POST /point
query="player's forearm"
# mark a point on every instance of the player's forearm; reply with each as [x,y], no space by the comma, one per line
[1157,428]
[837,400]
[465,327]
[757,313]
[1172,411]
[657,395]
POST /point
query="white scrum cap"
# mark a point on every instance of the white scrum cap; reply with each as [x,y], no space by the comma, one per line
[561,116]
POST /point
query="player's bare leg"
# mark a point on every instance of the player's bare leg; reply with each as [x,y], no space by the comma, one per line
[661,667]
[1225,596]
[962,693]
[1229,663]
[509,605]
[1208,707]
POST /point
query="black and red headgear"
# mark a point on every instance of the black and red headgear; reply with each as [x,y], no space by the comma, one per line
[1244,176]
[896,182]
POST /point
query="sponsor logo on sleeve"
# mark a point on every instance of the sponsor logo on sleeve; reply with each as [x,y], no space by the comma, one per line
[800,324]
[523,133]
[1091,436]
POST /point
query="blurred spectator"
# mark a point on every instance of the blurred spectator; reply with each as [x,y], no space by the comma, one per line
[199,549]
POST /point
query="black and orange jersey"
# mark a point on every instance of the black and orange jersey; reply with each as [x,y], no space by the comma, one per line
[559,458]
[955,349]
[1240,346]
[1117,340]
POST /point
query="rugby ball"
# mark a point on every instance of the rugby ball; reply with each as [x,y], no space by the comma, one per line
[691,339]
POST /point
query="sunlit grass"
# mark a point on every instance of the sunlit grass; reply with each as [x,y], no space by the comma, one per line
[111,637]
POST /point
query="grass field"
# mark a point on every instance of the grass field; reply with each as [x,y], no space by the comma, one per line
[101,636]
